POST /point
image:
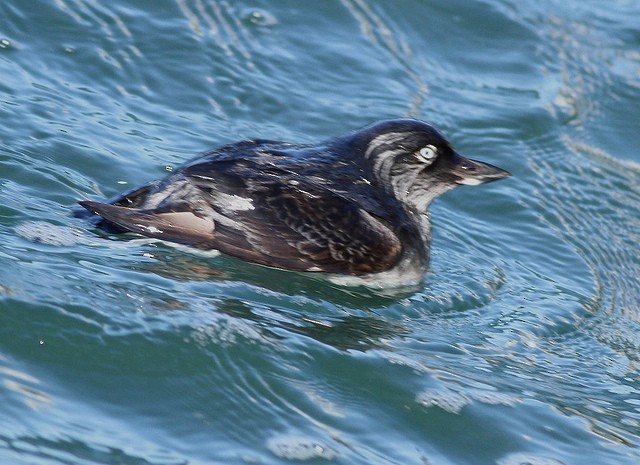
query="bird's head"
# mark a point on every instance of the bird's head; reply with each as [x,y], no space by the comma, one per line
[415,163]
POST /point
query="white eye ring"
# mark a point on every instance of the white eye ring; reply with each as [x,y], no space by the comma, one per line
[428,153]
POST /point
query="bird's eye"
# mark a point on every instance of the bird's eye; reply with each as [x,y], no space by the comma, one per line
[428,153]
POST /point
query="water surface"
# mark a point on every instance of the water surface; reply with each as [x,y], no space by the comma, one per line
[520,346]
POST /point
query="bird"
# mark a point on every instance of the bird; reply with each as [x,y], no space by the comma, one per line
[353,205]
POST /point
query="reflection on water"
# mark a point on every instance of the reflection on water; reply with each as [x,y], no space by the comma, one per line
[342,332]
[186,265]
[25,385]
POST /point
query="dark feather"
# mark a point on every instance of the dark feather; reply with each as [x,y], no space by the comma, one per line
[272,217]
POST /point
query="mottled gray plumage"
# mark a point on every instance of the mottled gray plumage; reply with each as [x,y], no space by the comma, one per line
[354,205]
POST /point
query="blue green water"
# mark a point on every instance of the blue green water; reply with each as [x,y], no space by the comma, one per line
[521,345]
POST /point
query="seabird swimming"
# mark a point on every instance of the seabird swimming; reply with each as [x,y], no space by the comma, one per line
[352,205]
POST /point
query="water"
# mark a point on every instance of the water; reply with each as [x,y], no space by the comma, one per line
[520,346]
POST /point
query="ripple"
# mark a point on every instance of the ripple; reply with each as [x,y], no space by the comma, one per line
[300,448]
[453,402]
[50,234]
[259,17]
[225,25]
[6,44]
[225,331]
[575,51]
[528,459]
[589,210]
[380,33]
[27,386]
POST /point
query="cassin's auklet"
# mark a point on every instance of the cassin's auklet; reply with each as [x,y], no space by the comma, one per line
[353,205]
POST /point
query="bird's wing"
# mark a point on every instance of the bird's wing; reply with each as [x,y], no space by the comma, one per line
[267,214]
[307,228]
[267,217]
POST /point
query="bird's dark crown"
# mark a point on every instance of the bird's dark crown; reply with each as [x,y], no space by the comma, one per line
[417,132]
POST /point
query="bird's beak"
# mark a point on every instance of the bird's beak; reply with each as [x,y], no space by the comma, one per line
[472,172]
